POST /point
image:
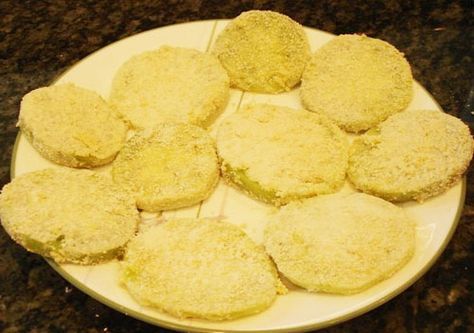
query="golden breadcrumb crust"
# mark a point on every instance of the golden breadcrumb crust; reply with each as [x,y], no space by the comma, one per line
[263,51]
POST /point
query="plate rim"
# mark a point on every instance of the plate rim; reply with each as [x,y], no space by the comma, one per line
[186,328]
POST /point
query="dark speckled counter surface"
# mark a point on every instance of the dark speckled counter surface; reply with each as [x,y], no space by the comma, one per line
[41,39]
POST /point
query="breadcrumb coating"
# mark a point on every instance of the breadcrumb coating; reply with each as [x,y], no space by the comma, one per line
[357,81]
[204,269]
[278,154]
[340,243]
[71,126]
[171,84]
[174,165]
[415,154]
[71,216]
[263,51]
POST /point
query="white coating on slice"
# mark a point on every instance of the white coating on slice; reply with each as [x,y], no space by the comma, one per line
[340,243]
[170,84]
[415,154]
[200,268]
[71,126]
[288,153]
[357,81]
[72,216]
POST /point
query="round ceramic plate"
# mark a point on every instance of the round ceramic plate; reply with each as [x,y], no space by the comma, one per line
[298,310]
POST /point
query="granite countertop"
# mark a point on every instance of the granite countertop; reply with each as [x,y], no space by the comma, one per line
[41,39]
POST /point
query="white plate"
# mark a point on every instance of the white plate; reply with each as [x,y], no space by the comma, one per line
[298,310]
